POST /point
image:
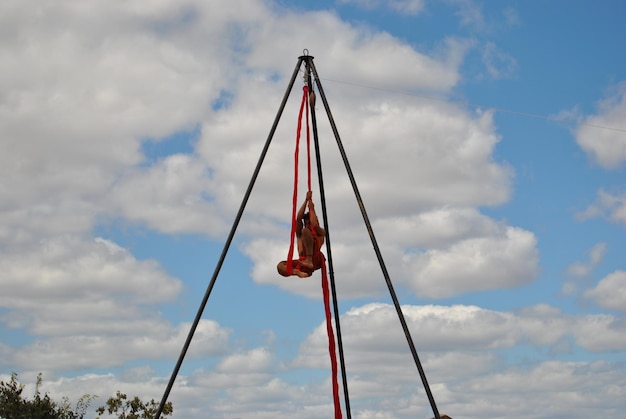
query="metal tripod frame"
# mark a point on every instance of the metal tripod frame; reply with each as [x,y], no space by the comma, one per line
[310,76]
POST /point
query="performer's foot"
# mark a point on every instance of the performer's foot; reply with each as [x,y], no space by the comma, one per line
[308,262]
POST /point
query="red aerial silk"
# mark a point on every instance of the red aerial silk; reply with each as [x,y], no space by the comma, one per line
[331,342]
[326,294]
[303,104]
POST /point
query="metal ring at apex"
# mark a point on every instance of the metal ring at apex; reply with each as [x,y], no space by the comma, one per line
[305,52]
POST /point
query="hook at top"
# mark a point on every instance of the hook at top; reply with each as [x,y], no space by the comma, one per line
[305,55]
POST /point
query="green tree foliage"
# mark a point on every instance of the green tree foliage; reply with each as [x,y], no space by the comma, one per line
[14,406]
[124,408]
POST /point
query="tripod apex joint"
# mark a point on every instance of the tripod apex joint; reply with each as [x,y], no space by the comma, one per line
[305,54]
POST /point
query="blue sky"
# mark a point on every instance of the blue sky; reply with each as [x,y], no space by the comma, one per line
[488,140]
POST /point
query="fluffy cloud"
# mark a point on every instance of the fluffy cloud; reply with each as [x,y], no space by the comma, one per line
[374,328]
[106,79]
[610,292]
[555,388]
[504,261]
[451,251]
[596,254]
[91,303]
[83,270]
[85,88]
[143,338]
[422,213]
[581,271]
[86,270]
[607,205]
[169,196]
[607,145]
[498,63]
[438,254]
[404,6]
[586,386]
[458,346]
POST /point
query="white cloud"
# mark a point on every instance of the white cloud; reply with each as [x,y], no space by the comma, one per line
[556,388]
[601,333]
[607,205]
[578,270]
[255,360]
[596,255]
[453,152]
[610,293]
[470,13]
[171,196]
[606,146]
[511,16]
[88,84]
[373,329]
[411,7]
[90,303]
[147,339]
[438,228]
[83,271]
[347,53]
[438,253]
[253,388]
[445,158]
[459,348]
[96,114]
[84,85]
[506,260]
[499,64]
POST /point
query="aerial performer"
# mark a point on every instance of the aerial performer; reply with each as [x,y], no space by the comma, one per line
[310,238]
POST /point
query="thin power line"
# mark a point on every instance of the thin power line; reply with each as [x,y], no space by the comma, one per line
[502,110]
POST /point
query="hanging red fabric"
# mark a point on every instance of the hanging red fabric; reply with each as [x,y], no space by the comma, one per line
[308,138]
[303,104]
[331,342]
[326,294]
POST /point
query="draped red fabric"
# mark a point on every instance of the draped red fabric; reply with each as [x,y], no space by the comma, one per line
[331,342]
[308,138]
[303,104]
[289,267]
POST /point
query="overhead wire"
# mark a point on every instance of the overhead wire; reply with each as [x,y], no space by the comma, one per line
[467,103]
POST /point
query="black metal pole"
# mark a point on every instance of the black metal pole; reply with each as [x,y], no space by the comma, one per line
[308,60]
[228,242]
[392,292]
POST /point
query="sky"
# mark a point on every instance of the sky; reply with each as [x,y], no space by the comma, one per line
[488,143]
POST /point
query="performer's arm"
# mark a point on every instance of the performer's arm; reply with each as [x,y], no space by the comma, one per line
[300,214]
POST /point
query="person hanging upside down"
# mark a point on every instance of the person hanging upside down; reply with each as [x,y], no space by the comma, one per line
[310,237]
